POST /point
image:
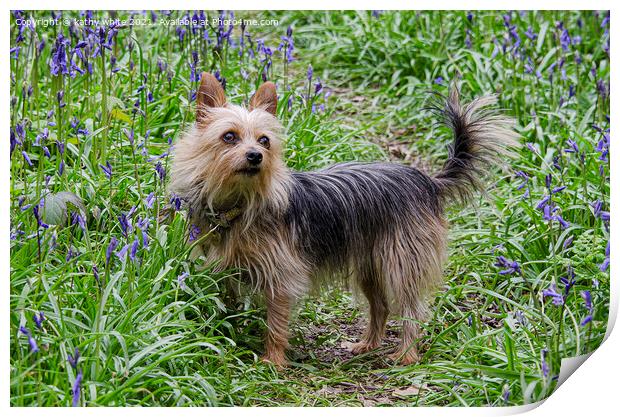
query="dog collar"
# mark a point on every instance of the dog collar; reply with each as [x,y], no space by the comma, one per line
[225,218]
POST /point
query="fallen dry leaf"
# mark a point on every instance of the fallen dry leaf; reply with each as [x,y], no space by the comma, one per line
[406,392]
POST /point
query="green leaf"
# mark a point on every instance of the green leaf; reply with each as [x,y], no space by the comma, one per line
[55,209]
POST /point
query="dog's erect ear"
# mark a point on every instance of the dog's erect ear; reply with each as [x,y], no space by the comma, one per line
[210,94]
[265,98]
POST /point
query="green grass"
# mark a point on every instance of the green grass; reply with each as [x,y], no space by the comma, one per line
[147,338]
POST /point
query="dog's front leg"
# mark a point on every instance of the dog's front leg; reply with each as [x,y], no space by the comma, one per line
[278,313]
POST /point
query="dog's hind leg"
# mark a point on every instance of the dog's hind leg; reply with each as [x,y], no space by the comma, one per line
[372,286]
[414,264]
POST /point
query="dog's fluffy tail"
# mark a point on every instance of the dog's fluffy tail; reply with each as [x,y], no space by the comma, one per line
[482,138]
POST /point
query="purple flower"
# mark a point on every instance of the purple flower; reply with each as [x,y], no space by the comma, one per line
[125,224]
[143,225]
[27,158]
[587,299]
[568,281]
[38,319]
[603,267]
[96,273]
[181,280]
[113,244]
[438,80]
[150,199]
[542,203]
[122,252]
[194,232]
[573,148]
[506,394]
[35,210]
[34,348]
[318,86]
[175,200]
[58,57]
[134,249]
[107,169]
[556,297]
[77,218]
[563,223]
[510,267]
[309,73]
[130,135]
[73,360]
[544,364]
[75,391]
[161,171]
[531,34]
[565,39]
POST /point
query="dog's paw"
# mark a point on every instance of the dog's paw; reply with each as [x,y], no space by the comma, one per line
[362,347]
[279,361]
[405,357]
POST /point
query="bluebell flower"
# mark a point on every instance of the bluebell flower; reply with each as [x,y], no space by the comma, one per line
[572,147]
[542,203]
[194,232]
[73,360]
[37,216]
[531,34]
[318,86]
[603,267]
[143,225]
[96,273]
[161,171]
[75,390]
[587,299]
[565,40]
[122,252]
[113,244]
[150,199]
[130,135]
[38,319]
[134,249]
[568,281]
[544,364]
[125,224]
[175,200]
[181,280]
[107,169]
[34,348]
[556,298]
[26,158]
[506,394]
[510,267]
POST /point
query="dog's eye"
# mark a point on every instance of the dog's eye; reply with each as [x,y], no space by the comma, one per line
[229,137]
[264,140]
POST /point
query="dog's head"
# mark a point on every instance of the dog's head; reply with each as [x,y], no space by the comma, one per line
[233,154]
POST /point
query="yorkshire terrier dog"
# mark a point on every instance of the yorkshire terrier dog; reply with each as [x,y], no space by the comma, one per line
[380,224]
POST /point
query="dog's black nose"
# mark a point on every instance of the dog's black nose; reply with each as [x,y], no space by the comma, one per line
[254,157]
